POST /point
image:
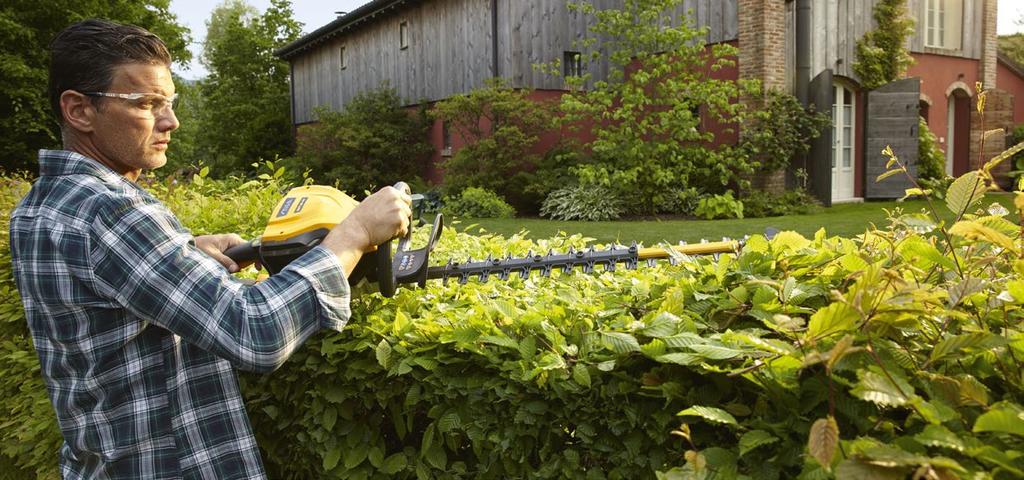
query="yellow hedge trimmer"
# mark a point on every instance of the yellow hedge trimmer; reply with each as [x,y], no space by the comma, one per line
[305,215]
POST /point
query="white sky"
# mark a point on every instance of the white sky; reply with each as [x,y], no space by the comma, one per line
[314,14]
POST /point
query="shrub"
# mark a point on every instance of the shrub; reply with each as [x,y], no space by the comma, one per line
[1017,161]
[719,206]
[883,356]
[500,127]
[781,130]
[582,202]
[931,161]
[372,143]
[757,204]
[476,202]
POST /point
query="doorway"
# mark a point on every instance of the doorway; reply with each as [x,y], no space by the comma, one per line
[958,132]
[844,103]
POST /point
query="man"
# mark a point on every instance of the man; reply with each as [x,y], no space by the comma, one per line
[138,325]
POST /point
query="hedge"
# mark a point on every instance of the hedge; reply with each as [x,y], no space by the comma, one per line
[893,354]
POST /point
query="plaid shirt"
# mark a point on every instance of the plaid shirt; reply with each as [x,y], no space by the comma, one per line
[138,332]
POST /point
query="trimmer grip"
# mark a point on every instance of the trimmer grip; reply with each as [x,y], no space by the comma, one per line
[244,252]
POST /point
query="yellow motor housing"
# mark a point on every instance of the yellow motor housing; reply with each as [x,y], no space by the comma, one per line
[307,209]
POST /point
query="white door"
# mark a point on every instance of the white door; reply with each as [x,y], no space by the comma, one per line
[843,122]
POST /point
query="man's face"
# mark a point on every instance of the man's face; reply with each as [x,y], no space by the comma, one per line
[132,135]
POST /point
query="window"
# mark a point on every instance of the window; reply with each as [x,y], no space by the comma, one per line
[403,35]
[341,57]
[446,140]
[572,64]
[943,23]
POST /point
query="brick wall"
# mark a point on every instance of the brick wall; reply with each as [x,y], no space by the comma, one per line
[988,65]
[762,56]
[998,114]
[762,35]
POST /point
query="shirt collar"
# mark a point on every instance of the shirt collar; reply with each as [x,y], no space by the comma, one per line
[64,162]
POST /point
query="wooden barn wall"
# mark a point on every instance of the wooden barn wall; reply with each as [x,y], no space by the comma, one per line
[837,25]
[450,49]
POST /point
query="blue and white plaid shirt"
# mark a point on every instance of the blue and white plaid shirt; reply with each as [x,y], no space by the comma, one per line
[139,332]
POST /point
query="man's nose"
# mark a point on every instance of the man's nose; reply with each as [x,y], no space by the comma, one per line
[167,121]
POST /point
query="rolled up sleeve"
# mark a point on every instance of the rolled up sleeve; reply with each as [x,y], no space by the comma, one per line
[149,264]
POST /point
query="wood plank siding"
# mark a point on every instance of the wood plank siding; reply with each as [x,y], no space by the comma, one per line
[837,25]
[451,50]
[451,45]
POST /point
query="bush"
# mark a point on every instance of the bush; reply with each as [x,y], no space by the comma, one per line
[719,206]
[931,161]
[500,127]
[1017,161]
[890,354]
[757,204]
[478,203]
[781,130]
[372,143]
[582,202]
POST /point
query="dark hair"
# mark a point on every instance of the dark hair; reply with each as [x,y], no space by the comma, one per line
[84,56]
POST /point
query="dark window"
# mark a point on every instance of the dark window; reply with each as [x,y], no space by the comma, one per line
[446,140]
[403,35]
[572,64]
[341,58]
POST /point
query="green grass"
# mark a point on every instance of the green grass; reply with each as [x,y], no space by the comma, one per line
[845,220]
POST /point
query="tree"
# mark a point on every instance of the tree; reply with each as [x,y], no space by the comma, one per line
[26,29]
[245,114]
[646,119]
[373,142]
[882,55]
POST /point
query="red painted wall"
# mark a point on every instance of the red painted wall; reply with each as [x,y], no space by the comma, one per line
[724,133]
[1007,80]
[937,73]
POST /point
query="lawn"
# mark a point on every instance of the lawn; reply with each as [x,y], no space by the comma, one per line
[845,220]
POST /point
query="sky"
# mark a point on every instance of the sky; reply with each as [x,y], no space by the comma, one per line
[314,14]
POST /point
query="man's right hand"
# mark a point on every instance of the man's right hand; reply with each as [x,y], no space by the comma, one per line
[377,219]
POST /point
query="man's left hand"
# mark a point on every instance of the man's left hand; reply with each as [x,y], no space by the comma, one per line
[215,245]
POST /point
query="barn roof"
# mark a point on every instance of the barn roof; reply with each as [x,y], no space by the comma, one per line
[364,14]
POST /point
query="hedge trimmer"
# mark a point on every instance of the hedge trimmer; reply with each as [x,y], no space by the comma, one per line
[306,214]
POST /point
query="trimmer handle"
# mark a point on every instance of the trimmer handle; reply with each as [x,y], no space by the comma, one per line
[244,252]
[386,279]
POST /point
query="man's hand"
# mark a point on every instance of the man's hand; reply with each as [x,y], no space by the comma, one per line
[215,245]
[377,219]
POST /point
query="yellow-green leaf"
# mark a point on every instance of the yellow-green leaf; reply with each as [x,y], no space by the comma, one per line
[835,318]
[964,192]
[888,174]
[1003,418]
[716,415]
[976,231]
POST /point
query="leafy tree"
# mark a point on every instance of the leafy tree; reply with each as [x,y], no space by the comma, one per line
[500,127]
[26,29]
[371,143]
[882,55]
[646,117]
[246,98]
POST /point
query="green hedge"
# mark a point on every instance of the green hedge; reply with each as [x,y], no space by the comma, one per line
[877,357]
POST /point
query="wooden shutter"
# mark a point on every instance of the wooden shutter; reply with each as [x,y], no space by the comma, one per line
[891,119]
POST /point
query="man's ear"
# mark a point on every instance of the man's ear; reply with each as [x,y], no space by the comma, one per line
[77,110]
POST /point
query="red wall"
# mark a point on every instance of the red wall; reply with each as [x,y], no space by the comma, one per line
[937,73]
[1007,80]
[724,133]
